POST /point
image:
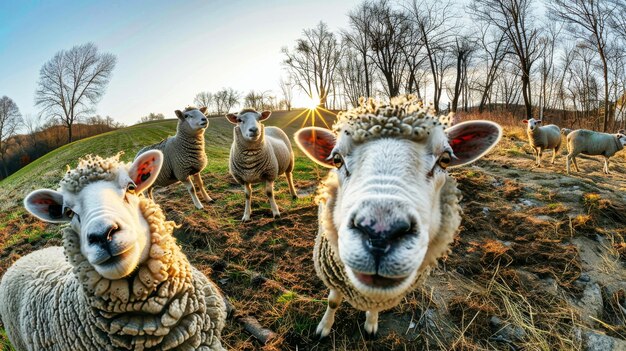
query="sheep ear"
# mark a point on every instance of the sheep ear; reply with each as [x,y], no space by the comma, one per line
[232,118]
[46,205]
[317,144]
[145,169]
[203,110]
[472,140]
[179,114]
[525,121]
[265,115]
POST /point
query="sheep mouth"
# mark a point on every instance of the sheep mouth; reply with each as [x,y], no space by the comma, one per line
[378,281]
[117,258]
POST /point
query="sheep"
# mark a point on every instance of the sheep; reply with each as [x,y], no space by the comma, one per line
[543,138]
[184,154]
[119,281]
[388,208]
[259,154]
[566,131]
[589,142]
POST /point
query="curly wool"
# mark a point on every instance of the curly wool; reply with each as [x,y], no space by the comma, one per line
[90,169]
[405,117]
[329,267]
[164,304]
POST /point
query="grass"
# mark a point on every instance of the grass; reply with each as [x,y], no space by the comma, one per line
[517,261]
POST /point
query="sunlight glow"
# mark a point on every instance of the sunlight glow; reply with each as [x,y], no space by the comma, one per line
[312,103]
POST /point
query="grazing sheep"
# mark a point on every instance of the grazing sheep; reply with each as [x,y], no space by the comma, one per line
[543,138]
[184,154]
[589,142]
[259,154]
[119,281]
[566,131]
[388,208]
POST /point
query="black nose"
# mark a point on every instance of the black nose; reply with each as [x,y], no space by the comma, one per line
[102,238]
[254,130]
[203,120]
[379,242]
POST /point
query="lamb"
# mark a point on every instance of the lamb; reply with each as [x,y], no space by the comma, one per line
[184,154]
[388,208]
[119,281]
[566,131]
[259,154]
[589,142]
[543,138]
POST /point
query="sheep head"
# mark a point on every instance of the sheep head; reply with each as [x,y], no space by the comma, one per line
[100,199]
[248,123]
[192,119]
[532,123]
[389,187]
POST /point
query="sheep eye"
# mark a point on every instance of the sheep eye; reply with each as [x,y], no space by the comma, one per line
[68,212]
[445,159]
[338,160]
[131,187]
[238,120]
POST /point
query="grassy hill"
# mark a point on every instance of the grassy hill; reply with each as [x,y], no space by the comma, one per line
[539,263]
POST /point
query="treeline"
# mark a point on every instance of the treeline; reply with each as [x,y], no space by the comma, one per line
[560,59]
[226,99]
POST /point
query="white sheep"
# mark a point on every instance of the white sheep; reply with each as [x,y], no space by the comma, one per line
[119,281]
[590,142]
[184,154]
[566,131]
[259,154]
[543,138]
[388,208]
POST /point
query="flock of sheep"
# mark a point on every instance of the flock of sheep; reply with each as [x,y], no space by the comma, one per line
[580,141]
[388,209]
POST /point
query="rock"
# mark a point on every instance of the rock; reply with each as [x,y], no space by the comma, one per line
[594,341]
[506,331]
[591,303]
[584,277]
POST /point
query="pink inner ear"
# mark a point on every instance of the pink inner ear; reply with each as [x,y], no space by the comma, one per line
[318,145]
[144,171]
[471,141]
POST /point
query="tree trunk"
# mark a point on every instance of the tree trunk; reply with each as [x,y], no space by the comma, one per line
[457,84]
[606,92]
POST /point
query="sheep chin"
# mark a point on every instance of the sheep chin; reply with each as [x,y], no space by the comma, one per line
[119,266]
[381,292]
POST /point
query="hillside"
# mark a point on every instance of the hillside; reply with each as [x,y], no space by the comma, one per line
[540,262]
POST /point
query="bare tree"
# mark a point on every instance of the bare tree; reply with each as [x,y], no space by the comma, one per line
[204,99]
[515,19]
[152,117]
[494,49]
[313,61]
[72,82]
[352,76]
[10,120]
[462,50]
[226,99]
[359,39]
[589,21]
[389,33]
[286,88]
[434,22]
[257,100]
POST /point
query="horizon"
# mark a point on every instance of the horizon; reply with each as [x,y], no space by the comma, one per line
[210,53]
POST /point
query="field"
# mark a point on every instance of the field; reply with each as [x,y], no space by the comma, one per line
[539,263]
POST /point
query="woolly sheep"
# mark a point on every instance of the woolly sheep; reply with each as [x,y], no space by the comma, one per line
[388,208]
[119,281]
[259,154]
[589,142]
[566,131]
[184,154]
[543,138]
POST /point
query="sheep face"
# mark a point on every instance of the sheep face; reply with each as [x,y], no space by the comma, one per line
[249,124]
[114,235]
[621,138]
[387,205]
[193,120]
[532,123]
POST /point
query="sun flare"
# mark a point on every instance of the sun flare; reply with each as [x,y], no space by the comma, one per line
[312,103]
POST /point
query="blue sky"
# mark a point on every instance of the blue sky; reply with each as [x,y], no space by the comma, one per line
[167,51]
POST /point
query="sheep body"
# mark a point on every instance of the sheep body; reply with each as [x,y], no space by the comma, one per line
[184,153]
[566,131]
[54,299]
[260,157]
[590,142]
[543,138]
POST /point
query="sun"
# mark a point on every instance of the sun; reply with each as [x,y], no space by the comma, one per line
[312,103]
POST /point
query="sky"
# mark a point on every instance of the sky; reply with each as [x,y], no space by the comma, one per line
[167,51]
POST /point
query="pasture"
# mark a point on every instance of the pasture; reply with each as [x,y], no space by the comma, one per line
[540,261]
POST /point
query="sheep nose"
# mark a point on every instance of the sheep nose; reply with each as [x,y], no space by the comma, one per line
[379,238]
[254,130]
[103,237]
[203,120]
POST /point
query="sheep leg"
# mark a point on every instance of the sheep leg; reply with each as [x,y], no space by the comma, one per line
[198,179]
[269,191]
[567,162]
[539,153]
[192,191]
[247,211]
[292,188]
[606,165]
[575,163]
[554,154]
[371,322]
[334,300]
